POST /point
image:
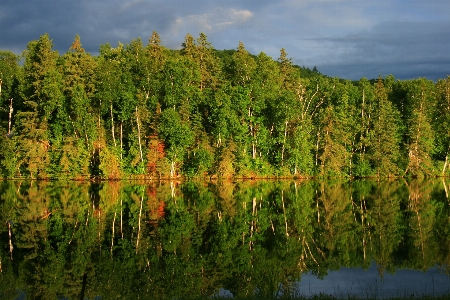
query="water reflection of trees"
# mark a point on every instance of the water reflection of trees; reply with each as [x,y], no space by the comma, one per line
[166,240]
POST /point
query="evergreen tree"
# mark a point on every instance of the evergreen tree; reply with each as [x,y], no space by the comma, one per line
[384,151]
[147,110]
[78,127]
[441,117]
[420,142]
[43,102]
[348,125]
[331,153]
[9,82]
[134,103]
[364,136]
[152,67]
[178,137]
[248,106]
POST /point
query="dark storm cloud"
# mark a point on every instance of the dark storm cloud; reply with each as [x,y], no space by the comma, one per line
[345,38]
[96,22]
[100,21]
[404,49]
[21,22]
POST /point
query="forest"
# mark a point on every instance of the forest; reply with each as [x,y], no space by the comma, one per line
[148,112]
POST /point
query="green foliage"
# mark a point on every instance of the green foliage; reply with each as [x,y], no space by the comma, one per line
[175,132]
[223,113]
[9,160]
[72,161]
[199,163]
[385,148]
[110,163]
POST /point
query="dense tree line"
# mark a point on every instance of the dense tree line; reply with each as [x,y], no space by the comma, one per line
[140,110]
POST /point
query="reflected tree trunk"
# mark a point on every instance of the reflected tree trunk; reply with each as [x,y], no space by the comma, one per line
[73,233]
[284,212]
[112,235]
[10,240]
[445,187]
[83,287]
[139,225]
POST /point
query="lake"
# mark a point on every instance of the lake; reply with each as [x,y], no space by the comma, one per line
[167,240]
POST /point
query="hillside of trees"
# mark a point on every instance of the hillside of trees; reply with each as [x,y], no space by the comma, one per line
[145,111]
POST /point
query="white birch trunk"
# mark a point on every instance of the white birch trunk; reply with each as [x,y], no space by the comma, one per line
[284,142]
[112,126]
[139,225]
[139,135]
[121,140]
[10,113]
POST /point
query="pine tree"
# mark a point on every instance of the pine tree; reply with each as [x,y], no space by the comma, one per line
[43,103]
[363,138]
[9,80]
[242,75]
[384,151]
[420,133]
[77,121]
[331,153]
[442,122]
[347,124]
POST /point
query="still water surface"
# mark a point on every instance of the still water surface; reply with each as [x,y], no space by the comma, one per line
[168,240]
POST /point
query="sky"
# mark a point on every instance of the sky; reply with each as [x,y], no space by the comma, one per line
[350,39]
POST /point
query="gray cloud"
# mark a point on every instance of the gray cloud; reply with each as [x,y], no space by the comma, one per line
[97,22]
[404,49]
[345,38]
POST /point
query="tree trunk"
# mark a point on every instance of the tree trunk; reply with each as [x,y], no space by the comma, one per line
[219,141]
[284,213]
[73,127]
[10,239]
[10,113]
[121,140]
[112,237]
[139,225]
[317,147]
[172,169]
[112,126]
[445,165]
[139,135]
[446,162]
[284,142]
[445,187]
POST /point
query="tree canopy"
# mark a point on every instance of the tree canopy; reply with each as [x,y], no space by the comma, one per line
[146,111]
